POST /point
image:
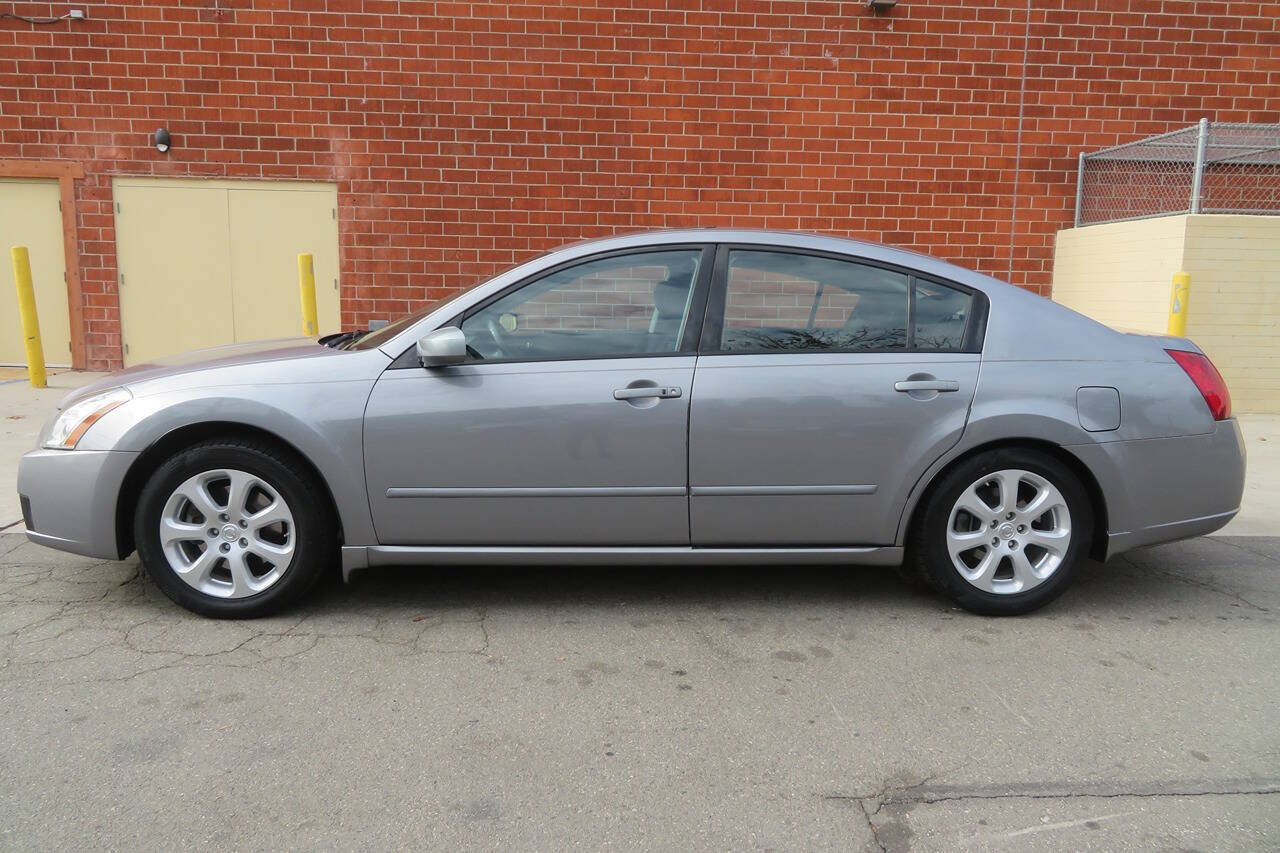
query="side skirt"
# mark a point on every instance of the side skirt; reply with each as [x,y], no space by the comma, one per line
[360,557]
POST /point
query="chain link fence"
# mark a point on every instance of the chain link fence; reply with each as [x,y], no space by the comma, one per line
[1213,167]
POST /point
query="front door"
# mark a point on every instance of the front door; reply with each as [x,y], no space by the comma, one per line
[567,425]
[824,389]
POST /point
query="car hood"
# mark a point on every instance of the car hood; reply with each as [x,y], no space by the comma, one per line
[204,359]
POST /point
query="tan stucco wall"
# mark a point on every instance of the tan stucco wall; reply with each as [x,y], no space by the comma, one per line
[1120,274]
[1234,313]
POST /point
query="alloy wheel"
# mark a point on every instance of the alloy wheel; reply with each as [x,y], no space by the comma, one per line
[227,533]
[1009,531]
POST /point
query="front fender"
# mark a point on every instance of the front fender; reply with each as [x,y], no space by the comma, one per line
[330,436]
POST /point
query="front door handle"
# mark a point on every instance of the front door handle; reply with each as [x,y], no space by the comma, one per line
[927,385]
[664,392]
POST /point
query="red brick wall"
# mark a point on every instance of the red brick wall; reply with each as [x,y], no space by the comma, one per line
[466,136]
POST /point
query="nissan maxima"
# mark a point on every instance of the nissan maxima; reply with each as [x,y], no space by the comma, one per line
[678,397]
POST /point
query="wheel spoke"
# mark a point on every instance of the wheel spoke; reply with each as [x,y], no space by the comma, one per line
[1007,485]
[197,492]
[238,491]
[982,574]
[242,580]
[1054,541]
[974,505]
[1023,574]
[959,543]
[172,530]
[1047,498]
[276,555]
[272,514]
[198,570]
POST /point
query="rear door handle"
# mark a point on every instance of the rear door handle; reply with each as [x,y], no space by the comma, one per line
[665,392]
[927,385]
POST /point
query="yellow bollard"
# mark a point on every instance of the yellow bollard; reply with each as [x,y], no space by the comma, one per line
[307,287]
[27,311]
[1178,304]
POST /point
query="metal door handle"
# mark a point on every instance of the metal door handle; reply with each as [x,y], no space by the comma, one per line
[664,392]
[927,385]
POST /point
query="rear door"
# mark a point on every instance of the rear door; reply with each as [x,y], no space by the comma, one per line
[824,388]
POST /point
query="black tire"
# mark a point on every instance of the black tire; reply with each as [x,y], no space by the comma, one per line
[913,578]
[315,536]
[927,551]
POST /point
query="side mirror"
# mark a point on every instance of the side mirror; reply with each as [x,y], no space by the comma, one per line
[442,347]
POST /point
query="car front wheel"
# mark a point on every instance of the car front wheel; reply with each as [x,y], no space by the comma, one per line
[1003,532]
[234,529]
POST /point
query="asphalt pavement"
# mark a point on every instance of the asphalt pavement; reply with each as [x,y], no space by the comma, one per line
[646,709]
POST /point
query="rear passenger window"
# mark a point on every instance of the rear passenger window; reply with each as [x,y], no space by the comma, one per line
[784,302]
[941,317]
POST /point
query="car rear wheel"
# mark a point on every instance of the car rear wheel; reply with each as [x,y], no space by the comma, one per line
[1003,532]
[234,529]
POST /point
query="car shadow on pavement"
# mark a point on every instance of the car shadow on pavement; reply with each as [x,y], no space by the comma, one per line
[1243,577]
[473,586]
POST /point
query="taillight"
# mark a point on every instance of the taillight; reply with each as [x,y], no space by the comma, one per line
[1207,379]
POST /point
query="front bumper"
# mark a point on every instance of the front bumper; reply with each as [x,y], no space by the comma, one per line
[69,499]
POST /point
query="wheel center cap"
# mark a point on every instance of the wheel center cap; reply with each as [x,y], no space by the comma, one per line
[1006,531]
[230,532]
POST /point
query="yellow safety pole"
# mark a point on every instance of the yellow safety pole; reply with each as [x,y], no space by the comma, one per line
[1178,304]
[27,311]
[307,287]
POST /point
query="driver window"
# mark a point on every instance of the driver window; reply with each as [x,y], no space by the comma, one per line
[633,304]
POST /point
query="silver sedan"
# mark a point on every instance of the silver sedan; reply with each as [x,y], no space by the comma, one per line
[686,397]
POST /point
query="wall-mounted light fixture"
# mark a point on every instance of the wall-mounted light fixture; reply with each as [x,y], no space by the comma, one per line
[881,5]
[161,139]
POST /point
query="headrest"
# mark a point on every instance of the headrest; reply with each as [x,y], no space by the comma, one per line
[878,310]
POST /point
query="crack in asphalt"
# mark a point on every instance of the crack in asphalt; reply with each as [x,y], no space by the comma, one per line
[1208,586]
[1226,541]
[1059,791]
[918,794]
[77,628]
[871,825]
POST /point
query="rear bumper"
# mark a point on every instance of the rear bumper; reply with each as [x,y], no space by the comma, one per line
[69,499]
[1118,543]
[1164,489]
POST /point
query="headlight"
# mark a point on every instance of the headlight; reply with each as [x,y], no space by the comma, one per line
[76,419]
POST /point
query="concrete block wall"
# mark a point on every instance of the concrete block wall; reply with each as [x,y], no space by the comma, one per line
[1121,273]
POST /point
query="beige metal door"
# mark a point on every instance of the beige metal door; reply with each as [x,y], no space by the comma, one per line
[30,216]
[270,227]
[210,262]
[174,268]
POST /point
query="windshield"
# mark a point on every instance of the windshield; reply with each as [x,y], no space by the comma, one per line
[369,340]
